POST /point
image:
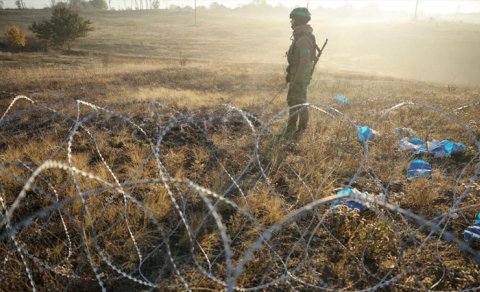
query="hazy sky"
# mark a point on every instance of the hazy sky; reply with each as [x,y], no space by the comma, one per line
[425,6]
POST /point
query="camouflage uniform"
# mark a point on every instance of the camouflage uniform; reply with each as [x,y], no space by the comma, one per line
[301,55]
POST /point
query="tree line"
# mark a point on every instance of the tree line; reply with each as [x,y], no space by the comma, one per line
[92,4]
[73,4]
[63,28]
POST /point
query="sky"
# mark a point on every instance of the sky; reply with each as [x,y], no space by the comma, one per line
[424,6]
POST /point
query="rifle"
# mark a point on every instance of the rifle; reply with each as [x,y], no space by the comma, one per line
[319,53]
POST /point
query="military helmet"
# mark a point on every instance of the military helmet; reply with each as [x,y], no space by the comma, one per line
[300,12]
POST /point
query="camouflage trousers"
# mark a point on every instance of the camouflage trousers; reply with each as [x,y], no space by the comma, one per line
[297,94]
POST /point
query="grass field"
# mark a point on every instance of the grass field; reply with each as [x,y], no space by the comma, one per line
[170,172]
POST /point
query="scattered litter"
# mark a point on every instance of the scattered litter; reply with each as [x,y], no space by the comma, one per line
[453,215]
[473,231]
[457,110]
[364,133]
[415,145]
[403,132]
[349,203]
[460,108]
[419,168]
[365,198]
[342,99]
[444,148]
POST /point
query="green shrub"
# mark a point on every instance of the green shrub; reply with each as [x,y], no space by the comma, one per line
[63,28]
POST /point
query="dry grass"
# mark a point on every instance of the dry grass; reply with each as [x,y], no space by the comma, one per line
[211,145]
[424,50]
[324,159]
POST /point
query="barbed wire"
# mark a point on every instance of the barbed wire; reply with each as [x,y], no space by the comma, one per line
[212,227]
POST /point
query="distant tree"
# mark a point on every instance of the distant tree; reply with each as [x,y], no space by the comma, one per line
[15,37]
[75,4]
[1,4]
[63,28]
[156,4]
[20,4]
[217,6]
[174,7]
[98,4]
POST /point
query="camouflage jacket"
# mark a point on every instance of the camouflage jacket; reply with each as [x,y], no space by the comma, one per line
[301,56]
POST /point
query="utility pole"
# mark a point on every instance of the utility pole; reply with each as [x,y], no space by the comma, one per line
[416,8]
[195,8]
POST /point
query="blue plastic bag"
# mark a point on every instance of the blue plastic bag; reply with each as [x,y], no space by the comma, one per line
[414,144]
[364,133]
[419,168]
[416,141]
[341,99]
[473,231]
[444,148]
[349,203]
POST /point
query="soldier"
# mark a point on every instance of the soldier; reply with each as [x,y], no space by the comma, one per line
[301,56]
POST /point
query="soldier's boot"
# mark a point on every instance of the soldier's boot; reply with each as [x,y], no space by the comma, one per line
[303,119]
[292,123]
